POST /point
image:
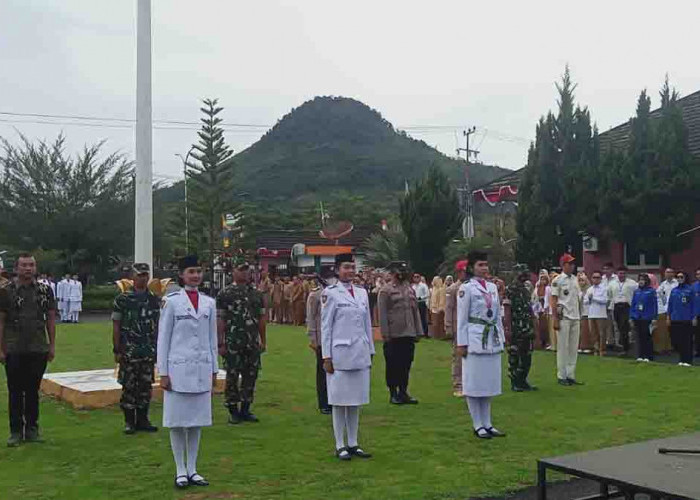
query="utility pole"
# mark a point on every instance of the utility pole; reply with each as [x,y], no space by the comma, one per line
[468,221]
[143,224]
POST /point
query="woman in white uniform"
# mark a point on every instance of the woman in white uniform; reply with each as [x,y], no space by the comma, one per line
[187,365]
[347,348]
[480,341]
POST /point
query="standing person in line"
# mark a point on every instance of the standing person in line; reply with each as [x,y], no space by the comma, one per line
[27,344]
[621,292]
[400,326]
[681,316]
[451,325]
[298,301]
[480,342]
[608,278]
[287,301]
[242,340]
[586,344]
[643,314]
[422,292]
[662,335]
[347,347]
[519,327]
[553,334]
[265,288]
[313,329]
[64,303]
[59,299]
[76,299]
[696,312]
[540,308]
[134,336]
[596,298]
[277,298]
[187,365]
[566,309]
[437,309]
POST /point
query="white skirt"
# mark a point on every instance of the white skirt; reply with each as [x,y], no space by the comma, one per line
[348,387]
[75,306]
[186,409]
[481,375]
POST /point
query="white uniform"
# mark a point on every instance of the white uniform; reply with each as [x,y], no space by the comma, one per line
[346,338]
[75,297]
[568,293]
[482,332]
[187,353]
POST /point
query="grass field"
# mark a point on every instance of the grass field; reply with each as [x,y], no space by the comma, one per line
[421,452]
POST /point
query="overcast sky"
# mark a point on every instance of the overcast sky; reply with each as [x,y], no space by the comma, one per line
[491,64]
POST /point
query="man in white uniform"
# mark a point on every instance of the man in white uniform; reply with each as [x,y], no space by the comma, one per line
[662,337]
[75,295]
[347,348]
[566,310]
[620,294]
[62,292]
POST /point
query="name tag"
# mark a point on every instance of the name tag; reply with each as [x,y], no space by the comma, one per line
[344,305]
[182,316]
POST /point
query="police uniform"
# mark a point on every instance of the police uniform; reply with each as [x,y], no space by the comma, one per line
[400,325]
[565,287]
[346,341]
[480,331]
[136,313]
[241,307]
[519,308]
[313,329]
[681,314]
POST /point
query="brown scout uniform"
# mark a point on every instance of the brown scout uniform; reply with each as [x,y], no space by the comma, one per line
[451,329]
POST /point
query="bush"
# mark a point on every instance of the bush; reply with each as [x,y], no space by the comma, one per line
[99,297]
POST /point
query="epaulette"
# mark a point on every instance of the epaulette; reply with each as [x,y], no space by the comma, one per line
[331,287]
[173,293]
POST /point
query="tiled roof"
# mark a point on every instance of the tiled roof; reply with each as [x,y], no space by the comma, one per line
[282,239]
[617,137]
[510,179]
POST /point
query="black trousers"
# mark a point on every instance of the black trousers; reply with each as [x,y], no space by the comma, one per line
[24,373]
[682,339]
[399,354]
[621,313]
[697,337]
[423,311]
[321,389]
[645,343]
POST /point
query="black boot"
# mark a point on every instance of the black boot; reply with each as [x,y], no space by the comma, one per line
[130,421]
[515,387]
[246,415]
[394,398]
[234,416]
[406,397]
[142,422]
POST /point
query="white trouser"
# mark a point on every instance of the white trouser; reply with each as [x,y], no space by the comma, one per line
[567,348]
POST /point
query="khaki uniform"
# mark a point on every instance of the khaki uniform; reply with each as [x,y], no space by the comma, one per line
[287,302]
[277,299]
[565,288]
[400,324]
[313,329]
[298,304]
[451,330]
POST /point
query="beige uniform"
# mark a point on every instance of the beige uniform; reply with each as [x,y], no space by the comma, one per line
[451,330]
[565,288]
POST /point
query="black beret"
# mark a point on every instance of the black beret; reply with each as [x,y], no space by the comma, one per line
[344,257]
[397,266]
[188,261]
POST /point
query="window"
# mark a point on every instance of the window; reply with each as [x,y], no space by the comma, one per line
[636,257]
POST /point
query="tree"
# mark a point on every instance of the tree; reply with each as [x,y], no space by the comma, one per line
[386,246]
[557,195]
[430,218]
[210,181]
[81,206]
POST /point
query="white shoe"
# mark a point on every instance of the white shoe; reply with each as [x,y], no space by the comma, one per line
[458,394]
[681,364]
[548,348]
[647,360]
[640,360]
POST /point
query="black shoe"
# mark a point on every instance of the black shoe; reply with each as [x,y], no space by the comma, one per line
[32,435]
[142,422]
[234,416]
[129,421]
[246,415]
[197,480]
[517,388]
[326,411]
[407,399]
[495,432]
[396,400]
[564,382]
[14,440]
[482,435]
[182,482]
[343,454]
[356,451]
[529,387]
[574,382]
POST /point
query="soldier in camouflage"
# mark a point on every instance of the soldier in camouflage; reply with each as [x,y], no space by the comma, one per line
[520,329]
[241,329]
[135,332]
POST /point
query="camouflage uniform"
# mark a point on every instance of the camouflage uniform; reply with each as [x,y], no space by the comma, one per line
[138,314]
[523,334]
[241,307]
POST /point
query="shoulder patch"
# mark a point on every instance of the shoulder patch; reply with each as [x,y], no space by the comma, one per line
[461,294]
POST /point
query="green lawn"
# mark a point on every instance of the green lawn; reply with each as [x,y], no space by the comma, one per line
[422,452]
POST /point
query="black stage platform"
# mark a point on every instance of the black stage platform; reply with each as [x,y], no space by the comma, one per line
[633,468]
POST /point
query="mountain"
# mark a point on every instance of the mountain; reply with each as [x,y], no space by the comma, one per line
[334,144]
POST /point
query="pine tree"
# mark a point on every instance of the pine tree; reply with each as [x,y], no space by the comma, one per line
[210,181]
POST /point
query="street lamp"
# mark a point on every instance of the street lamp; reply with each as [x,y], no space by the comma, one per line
[187,218]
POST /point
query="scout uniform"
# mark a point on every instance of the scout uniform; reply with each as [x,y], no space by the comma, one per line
[298,302]
[241,308]
[519,307]
[136,314]
[565,287]
[313,329]
[400,325]
[451,328]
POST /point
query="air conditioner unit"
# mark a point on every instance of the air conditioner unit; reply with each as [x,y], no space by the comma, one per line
[590,244]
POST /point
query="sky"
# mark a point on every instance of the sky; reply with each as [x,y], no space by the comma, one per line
[431,68]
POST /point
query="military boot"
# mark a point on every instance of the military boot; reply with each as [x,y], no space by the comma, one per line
[14,440]
[234,416]
[130,421]
[32,435]
[516,387]
[142,422]
[394,398]
[406,397]
[246,415]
